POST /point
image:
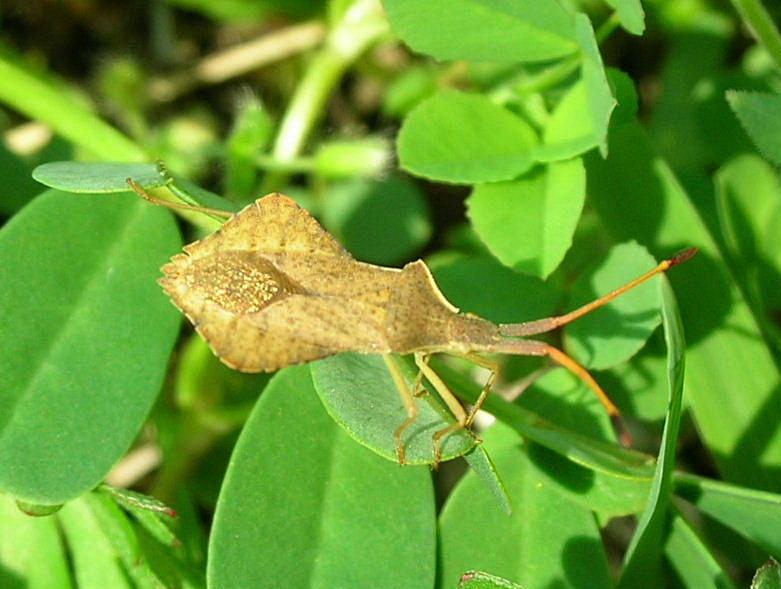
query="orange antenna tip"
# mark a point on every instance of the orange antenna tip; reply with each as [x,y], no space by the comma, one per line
[683,256]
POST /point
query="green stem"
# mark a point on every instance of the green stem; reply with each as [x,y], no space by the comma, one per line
[362,24]
[758,20]
[297,165]
[556,74]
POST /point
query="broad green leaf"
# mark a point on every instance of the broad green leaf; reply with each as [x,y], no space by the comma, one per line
[760,115]
[382,222]
[304,506]
[630,15]
[691,559]
[85,339]
[98,177]
[18,186]
[95,561]
[548,541]
[756,515]
[480,580]
[768,576]
[464,139]
[359,393]
[40,97]
[617,331]
[31,552]
[642,559]
[484,30]
[598,93]
[481,463]
[637,197]
[528,223]
[481,285]
[570,130]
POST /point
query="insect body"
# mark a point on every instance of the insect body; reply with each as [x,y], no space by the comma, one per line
[272,288]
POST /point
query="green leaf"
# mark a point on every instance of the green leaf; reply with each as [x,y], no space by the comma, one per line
[630,15]
[528,223]
[570,130]
[691,559]
[94,559]
[339,516]
[98,177]
[367,157]
[617,331]
[464,139]
[642,559]
[481,463]
[41,97]
[760,115]
[546,541]
[562,397]
[379,222]
[637,197]
[359,393]
[480,580]
[481,285]
[484,30]
[768,576]
[31,553]
[85,339]
[598,92]
[756,515]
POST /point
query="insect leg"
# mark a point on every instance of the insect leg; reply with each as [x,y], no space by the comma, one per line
[450,400]
[537,348]
[489,365]
[407,399]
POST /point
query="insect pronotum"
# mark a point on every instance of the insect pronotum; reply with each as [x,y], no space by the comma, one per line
[272,288]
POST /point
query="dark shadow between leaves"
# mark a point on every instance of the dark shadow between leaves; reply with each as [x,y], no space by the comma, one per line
[574,477]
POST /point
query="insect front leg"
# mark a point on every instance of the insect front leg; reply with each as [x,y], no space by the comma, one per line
[407,398]
[493,368]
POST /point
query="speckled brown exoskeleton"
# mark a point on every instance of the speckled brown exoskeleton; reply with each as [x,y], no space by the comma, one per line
[272,288]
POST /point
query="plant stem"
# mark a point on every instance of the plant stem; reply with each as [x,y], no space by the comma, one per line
[362,24]
[761,25]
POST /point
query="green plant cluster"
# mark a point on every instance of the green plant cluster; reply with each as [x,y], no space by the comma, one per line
[536,154]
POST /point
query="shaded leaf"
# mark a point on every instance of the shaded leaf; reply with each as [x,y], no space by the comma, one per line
[617,331]
[756,515]
[528,223]
[339,516]
[360,395]
[464,139]
[481,285]
[85,340]
[379,222]
[760,115]
[691,559]
[484,30]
